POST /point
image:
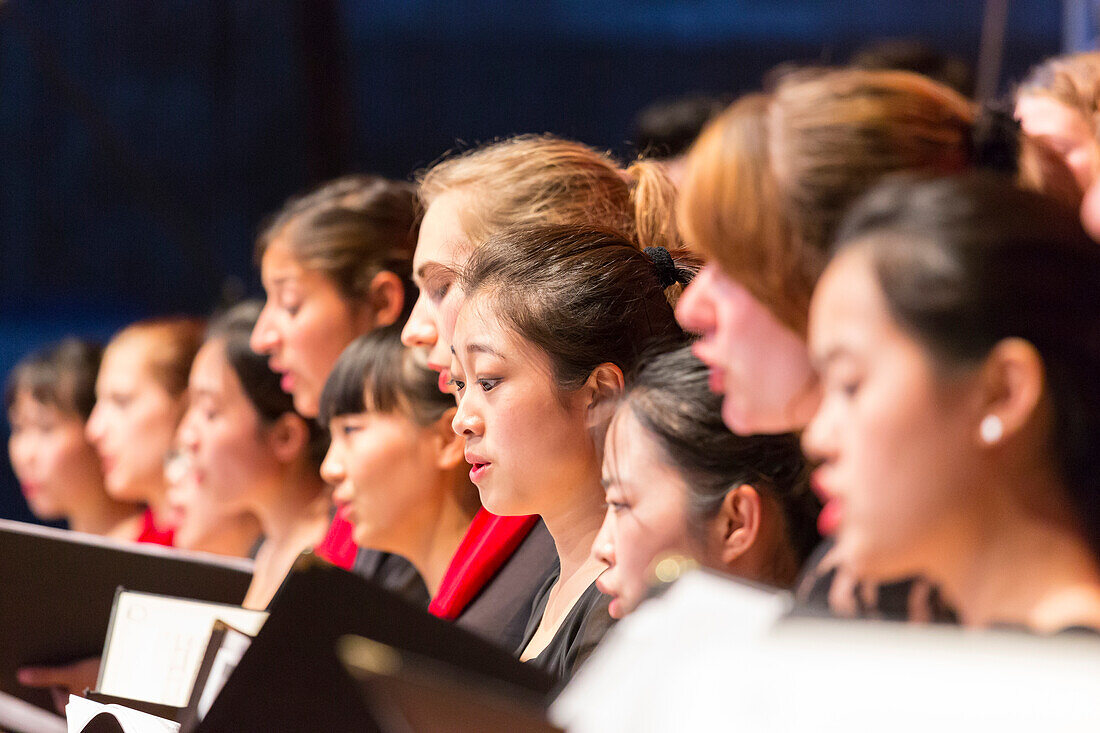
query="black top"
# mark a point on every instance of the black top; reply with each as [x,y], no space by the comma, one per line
[892,600]
[500,612]
[392,572]
[583,628]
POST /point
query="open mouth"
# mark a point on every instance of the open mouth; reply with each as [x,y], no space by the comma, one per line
[477,471]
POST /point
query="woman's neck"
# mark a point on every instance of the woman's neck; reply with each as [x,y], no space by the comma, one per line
[437,535]
[291,506]
[574,524]
[97,513]
[156,498]
[235,537]
[1029,572]
[294,516]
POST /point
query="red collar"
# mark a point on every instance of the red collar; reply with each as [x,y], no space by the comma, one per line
[151,534]
[338,547]
[489,542]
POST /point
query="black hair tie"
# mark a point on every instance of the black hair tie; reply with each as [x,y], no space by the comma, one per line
[667,273]
[995,140]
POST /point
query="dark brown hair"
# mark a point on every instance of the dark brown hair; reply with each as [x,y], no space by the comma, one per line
[350,229]
[61,375]
[584,296]
[671,399]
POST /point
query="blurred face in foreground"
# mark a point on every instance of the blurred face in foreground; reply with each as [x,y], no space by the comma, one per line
[894,434]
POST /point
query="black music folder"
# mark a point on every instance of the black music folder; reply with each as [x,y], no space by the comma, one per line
[291,679]
[57,589]
[407,692]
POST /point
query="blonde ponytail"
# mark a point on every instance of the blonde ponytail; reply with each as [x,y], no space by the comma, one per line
[653,200]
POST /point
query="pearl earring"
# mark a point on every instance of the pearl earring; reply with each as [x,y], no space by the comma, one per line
[992,429]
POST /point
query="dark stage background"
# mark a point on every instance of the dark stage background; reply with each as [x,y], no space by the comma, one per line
[141,144]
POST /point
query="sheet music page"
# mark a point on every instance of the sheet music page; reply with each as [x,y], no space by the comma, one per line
[233,647]
[156,644]
[80,711]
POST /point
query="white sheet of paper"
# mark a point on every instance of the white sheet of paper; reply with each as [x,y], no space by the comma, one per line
[156,644]
[80,711]
[22,717]
[712,655]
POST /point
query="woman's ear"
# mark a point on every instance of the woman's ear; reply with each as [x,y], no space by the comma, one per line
[602,392]
[452,447]
[387,298]
[736,526]
[1012,381]
[288,437]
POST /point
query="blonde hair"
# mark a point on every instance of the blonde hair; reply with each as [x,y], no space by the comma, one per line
[1072,80]
[532,180]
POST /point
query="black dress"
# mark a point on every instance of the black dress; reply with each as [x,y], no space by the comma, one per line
[500,611]
[577,637]
[393,573]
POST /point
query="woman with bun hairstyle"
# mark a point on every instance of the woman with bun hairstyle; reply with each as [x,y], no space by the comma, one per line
[766,185]
[141,394]
[958,341]
[677,481]
[552,321]
[399,469]
[334,264]
[526,180]
[252,452]
[49,396]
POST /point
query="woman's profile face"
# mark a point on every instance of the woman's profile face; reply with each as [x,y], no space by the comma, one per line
[50,455]
[441,249]
[386,471]
[198,519]
[1065,131]
[304,325]
[222,434]
[646,513]
[526,441]
[760,366]
[894,435]
[134,420]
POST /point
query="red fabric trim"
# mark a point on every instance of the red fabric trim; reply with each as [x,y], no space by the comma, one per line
[488,544]
[152,535]
[338,547]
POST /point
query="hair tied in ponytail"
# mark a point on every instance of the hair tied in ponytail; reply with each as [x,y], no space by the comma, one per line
[995,140]
[667,272]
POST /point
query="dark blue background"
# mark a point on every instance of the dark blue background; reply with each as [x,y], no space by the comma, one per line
[141,143]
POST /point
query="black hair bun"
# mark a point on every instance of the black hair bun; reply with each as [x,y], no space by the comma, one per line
[995,140]
[667,273]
